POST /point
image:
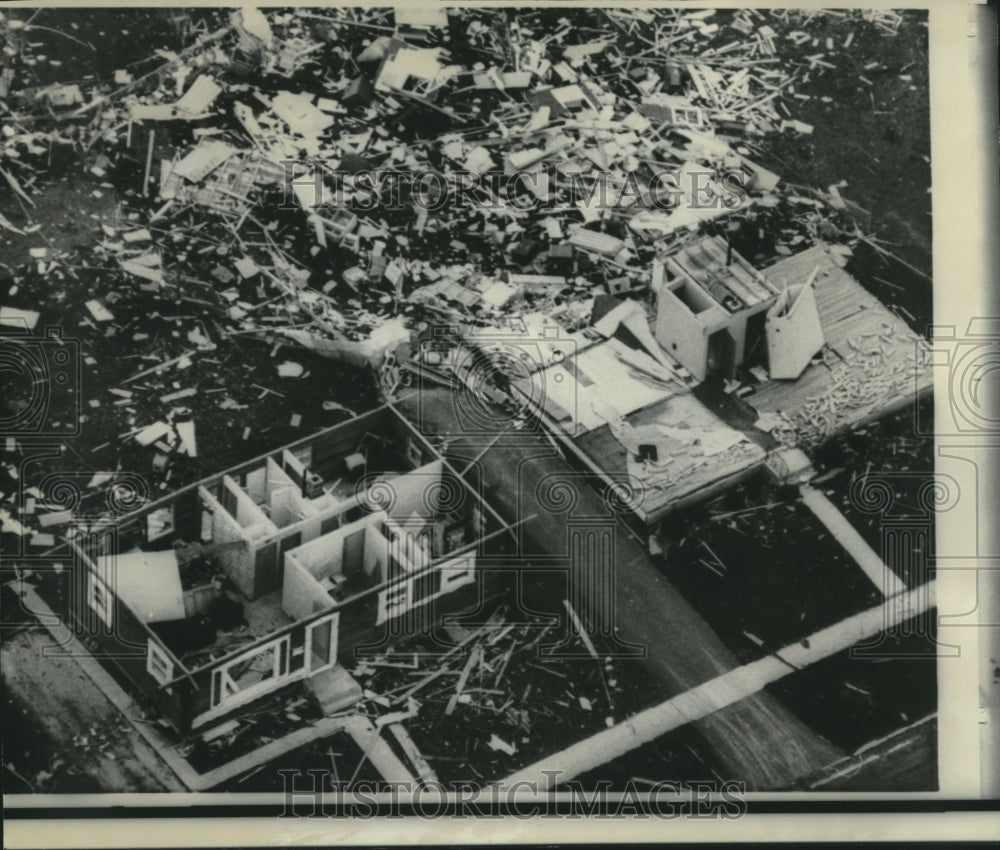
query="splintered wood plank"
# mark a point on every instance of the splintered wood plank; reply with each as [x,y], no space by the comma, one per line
[425,773]
[687,473]
[473,658]
[854,322]
[722,691]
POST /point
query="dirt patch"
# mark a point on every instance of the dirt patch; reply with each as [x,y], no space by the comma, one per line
[62,735]
[761,569]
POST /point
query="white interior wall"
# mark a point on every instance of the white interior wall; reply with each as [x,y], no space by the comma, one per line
[292,511]
[237,564]
[410,489]
[290,461]
[301,593]
[320,557]
[248,515]
[256,487]
[277,478]
[377,551]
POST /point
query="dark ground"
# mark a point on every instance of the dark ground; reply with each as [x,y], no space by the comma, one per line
[876,137]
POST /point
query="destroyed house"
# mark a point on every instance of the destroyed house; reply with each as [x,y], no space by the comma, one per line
[631,424]
[711,309]
[622,411]
[277,570]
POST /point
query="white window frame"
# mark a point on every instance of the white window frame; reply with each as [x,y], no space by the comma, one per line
[334,620]
[414,453]
[104,608]
[401,601]
[687,115]
[454,574]
[227,694]
[159,664]
[457,574]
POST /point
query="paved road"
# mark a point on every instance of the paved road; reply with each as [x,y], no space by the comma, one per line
[61,733]
[756,740]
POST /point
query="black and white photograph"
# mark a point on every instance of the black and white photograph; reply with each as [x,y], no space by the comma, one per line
[467,410]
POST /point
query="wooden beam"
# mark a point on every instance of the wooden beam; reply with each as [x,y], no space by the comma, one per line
[854,544]
[425,773]
[474,657]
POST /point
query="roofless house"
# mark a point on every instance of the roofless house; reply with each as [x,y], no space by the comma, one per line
[714,314]
[277,570]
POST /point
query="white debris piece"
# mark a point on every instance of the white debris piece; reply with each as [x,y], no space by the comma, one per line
[13,317]
[203,160]
[300,114]
[246,267]
[199,97]
[149,435]
[251,20]
[185,430]
[54,518]
[99,311]
[499,744]
[141,270]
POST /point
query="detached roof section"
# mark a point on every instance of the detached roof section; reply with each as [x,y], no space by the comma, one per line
[621,410]
[675,452]
[148,582]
